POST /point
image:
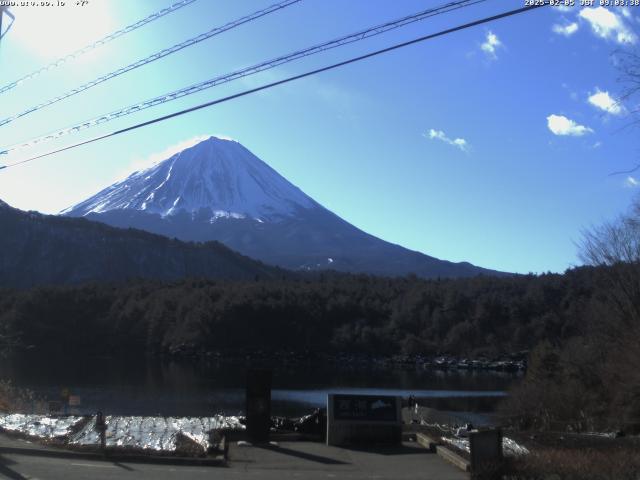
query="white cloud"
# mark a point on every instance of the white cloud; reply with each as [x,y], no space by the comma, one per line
[598,144]
[604,102]
[631,182]
[491,44]
[608,25]
[460,143]
[561,125]
[566,30]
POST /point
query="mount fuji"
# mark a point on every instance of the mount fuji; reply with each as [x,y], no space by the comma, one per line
[219,190]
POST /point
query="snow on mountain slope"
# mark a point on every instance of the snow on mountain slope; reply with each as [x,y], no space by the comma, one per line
[218,190]
[216,175]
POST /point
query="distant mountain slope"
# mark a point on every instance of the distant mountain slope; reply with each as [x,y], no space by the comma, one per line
[38,249]
[218,190]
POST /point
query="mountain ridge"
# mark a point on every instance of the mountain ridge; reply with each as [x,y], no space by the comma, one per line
[38,249]
[219,190]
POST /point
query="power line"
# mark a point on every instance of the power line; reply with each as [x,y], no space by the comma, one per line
[5,11]
[283,81]
[266,65]
[98,43]
[625,172]
[152,58]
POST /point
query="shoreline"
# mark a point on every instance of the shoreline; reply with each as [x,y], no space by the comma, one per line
[510,363]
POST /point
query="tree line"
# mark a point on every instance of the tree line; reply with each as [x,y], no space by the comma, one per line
[482,316]
[582,327]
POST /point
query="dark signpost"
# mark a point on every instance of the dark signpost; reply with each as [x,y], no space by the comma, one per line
[258,404]
[64,399]
[363,419]
[101,427]
[485,447]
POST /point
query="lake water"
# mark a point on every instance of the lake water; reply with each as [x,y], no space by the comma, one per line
[190,388]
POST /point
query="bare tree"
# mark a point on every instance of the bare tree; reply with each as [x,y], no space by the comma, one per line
[616,244]
[628,65]
[629,68]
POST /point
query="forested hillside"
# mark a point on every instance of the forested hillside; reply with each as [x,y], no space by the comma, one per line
[38,249]
[582,371]
[479,316]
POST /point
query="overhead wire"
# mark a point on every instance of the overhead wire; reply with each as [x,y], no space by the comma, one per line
[284,81]
[5,11]
[98,43]
[153,57]
[254,69]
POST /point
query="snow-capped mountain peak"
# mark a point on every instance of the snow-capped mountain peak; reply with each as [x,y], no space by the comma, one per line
[217,176]
[217,190]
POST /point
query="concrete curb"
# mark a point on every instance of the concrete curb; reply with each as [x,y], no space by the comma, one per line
[452,457]
[426,441]
[218,461]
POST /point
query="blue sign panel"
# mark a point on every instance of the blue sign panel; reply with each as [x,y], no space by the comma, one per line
[371,408]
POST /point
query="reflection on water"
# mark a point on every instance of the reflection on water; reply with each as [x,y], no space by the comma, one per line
[128,386]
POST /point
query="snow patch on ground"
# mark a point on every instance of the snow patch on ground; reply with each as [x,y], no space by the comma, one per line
[509,447]
[41,426]
[160,434]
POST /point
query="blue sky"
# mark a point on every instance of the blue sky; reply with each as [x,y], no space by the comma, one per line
[491,145]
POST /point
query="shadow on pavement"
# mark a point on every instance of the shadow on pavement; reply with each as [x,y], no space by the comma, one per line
[112,458]
[124,467]
[6,472]
[389,450]
[305,456]
[39,452]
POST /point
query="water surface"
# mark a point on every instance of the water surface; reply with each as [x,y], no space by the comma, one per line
[130,386]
